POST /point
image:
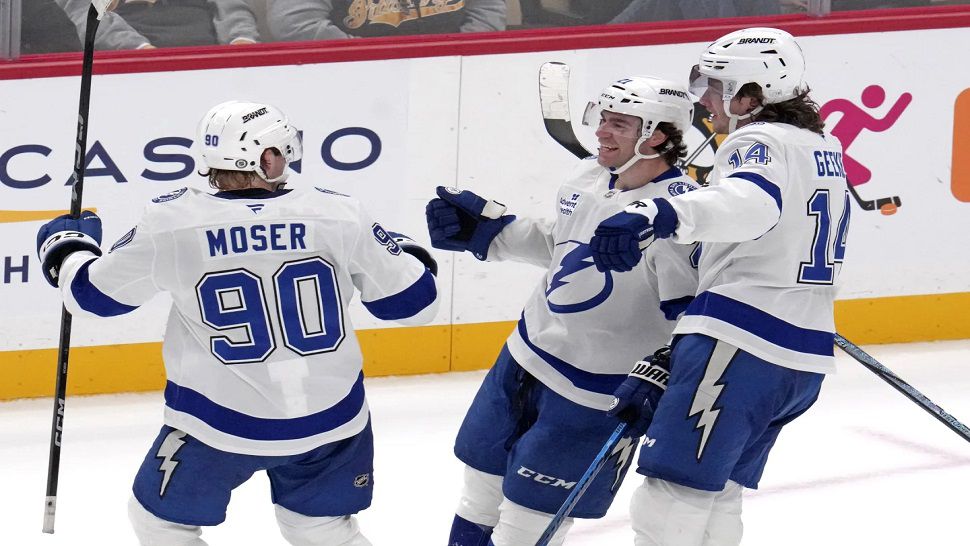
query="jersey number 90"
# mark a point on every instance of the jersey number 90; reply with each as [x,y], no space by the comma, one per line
[308,310]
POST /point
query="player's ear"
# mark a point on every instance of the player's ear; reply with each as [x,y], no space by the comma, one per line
[656,140]
[749,103]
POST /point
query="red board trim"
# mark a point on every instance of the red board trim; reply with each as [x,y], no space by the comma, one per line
[489,43]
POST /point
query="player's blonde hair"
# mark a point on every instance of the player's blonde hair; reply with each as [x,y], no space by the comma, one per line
[224,180]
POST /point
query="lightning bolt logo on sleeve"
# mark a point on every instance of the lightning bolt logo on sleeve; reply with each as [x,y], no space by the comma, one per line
[709,391]
[170,446]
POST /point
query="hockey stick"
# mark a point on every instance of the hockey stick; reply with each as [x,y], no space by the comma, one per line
[587,478]
[554,99]
[95,12]
[905,388]
[874,203]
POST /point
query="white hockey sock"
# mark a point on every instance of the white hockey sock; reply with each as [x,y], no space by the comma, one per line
[668,514]
[724,528]
[519,525]
[154,531]
[301,530]
[480,497]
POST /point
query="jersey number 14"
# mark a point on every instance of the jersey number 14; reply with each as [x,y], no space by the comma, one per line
[826,251]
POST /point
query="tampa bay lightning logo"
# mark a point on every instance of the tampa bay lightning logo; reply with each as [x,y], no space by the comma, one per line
[587,287]
[679,188]
[170,196]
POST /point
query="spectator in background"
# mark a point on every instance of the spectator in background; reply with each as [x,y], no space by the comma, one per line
[45,28]
[667,10]
[141,24]
[293,20]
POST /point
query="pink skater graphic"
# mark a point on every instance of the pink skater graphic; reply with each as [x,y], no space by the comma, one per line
[853,121]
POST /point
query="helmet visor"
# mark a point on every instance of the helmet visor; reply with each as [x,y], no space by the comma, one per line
[285,138]
[599,118]
[700,83]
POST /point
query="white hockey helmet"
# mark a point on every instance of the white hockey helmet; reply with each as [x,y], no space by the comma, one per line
[651,99]
[233,136]
[768,57]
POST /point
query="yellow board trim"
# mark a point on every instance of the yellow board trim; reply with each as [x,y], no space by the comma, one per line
[460,347]
[9,216]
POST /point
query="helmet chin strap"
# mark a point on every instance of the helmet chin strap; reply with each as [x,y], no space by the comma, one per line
[734,118]
[637,156]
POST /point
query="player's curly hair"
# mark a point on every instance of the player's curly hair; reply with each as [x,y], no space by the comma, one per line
[224,180]
[673,148]
[800,111]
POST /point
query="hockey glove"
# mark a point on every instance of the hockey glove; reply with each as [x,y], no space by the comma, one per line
[461,220]
[409,246]
[63,236]
[636,398]
[619,240]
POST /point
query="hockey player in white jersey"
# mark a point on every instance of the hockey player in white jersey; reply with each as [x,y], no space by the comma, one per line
[262,362]
[752,348]
[538,420]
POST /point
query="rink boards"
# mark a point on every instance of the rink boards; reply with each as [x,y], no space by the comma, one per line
[389,131]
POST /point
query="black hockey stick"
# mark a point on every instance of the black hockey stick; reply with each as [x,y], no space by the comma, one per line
[587,478]
[874,203]
[554,100]
[97,9]
[905,388]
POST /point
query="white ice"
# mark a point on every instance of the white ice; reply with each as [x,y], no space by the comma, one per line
[864,467]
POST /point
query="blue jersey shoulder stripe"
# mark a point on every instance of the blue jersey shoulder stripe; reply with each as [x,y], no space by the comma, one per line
[239,424]
[764,325]
[92,300]
[407,302]
[601,383]
[762,183]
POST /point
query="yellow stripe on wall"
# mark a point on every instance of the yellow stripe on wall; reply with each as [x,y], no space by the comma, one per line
[460,347]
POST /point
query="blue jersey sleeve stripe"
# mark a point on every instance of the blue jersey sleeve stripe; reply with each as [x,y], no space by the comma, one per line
[92,300]
[406,303]
[239,424]
[763,183]
[764,325]
[601,383]
[673,308]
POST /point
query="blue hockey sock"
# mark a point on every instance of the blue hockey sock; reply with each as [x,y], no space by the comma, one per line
[466,533]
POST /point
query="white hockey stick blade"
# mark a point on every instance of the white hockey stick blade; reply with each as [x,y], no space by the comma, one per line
[103,6]
[554,100]
[554,90]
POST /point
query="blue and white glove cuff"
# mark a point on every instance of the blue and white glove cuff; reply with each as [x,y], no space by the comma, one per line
[659,213]
[61,238]
[492,209]
[651,373]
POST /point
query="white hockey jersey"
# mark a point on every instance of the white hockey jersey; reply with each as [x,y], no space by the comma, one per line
[582,330]
[260,355]
[773,227]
